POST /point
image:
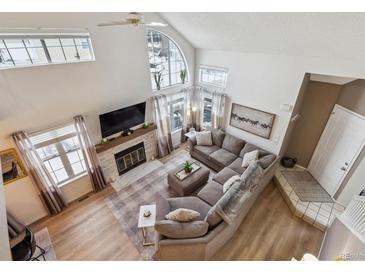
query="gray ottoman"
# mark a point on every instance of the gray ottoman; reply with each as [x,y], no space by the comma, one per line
[189,184]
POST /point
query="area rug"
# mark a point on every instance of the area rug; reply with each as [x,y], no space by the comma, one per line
[145,191]
[43,239]
[306,187]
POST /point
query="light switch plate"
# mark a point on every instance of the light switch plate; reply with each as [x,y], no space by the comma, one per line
[286,107]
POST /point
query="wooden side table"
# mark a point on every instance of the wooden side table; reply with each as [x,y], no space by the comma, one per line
[146,222]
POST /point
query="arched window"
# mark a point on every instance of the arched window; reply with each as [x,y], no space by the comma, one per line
[167,63]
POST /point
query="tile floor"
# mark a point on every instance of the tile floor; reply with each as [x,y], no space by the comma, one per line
[320,215]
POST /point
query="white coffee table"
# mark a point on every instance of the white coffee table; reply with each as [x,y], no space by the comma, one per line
[146,222]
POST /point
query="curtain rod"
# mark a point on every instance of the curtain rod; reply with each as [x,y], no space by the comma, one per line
[48,127]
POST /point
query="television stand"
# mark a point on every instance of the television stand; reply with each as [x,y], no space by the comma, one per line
[127,132]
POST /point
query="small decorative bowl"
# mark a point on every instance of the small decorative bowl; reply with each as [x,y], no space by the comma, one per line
[147,214]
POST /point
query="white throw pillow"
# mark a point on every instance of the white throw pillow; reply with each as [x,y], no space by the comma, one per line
[230,182]
[250,157]
[182,215]
[204,138]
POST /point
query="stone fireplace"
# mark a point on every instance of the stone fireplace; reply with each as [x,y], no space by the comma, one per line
[124,154]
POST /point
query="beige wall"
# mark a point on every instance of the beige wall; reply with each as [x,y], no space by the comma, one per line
[317,104]
[296,111]
[352,96]
[42,96]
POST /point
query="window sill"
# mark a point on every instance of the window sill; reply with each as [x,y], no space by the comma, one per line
[46,64]
[172,88]
[78,177]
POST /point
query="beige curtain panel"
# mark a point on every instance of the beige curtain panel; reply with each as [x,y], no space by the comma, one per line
[197,109]
[162,120]
[218,109]
[187,117]
[49,192]
[91,159]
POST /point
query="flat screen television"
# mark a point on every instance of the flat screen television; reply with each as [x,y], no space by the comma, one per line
[122,119]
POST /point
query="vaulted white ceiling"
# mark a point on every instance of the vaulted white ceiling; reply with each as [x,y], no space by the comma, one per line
[328,35]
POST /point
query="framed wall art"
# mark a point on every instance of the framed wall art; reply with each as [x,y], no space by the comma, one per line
[252,120]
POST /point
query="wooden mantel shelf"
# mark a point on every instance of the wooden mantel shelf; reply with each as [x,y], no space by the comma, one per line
[123,139]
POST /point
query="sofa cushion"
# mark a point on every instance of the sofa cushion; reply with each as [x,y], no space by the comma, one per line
[204,138]
[211,193]
[218,137]
[177,230]
[182,215]
[206,150]
[236,165]
[222,157]
[213,218]
[266,161]
[223,175]
[193,203]
[232,144]
[250,147]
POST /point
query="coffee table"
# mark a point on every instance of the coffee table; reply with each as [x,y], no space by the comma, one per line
[189,184]
[146,222]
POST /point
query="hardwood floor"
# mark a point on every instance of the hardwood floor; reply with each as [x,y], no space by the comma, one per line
[87,230]
[271,232]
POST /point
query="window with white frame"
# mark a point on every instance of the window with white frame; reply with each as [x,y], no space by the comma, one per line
[213,76]
[207,112]
[167,63]
[177,114]
[60,151]
[33,50]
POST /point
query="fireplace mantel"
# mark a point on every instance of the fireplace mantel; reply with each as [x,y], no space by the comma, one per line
[123,139]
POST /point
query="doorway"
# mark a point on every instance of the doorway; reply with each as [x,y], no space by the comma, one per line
[312,113]
[339,146]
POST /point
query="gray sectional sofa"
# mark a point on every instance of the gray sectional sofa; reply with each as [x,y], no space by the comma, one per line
[202,238]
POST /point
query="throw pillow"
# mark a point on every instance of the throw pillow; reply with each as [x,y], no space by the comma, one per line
[250,157]
[182,215]
[204,138]
[230,182]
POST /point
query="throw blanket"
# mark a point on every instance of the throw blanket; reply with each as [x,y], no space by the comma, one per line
[230,204]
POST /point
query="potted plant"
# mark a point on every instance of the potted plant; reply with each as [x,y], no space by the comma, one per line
[183,75]
[157,76]
[188,167]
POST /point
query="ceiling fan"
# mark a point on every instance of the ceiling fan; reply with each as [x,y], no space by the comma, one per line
[134,19]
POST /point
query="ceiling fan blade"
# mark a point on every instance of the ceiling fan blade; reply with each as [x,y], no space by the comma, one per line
[156,24]
[114,23]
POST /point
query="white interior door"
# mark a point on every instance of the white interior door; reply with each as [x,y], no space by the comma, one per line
[340,144]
